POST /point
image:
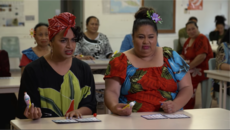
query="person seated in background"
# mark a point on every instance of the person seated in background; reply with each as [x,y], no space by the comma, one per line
[183,36]
[219,33]
[157,78]
[42,48]
[94,45]
[58,84]
[197,51]
[220,18]
[127,43]
[223,59]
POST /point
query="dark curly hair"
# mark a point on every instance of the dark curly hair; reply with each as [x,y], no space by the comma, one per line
[90,17]
[39,25]
[142,19]
[219,18]
[77,32]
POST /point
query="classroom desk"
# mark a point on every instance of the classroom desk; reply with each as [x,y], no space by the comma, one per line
[9,84]
[12,84]
[212,118]
[224,77]
[98,64]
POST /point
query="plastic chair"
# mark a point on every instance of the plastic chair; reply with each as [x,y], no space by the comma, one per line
[175,44]
[206,86]
[11,45]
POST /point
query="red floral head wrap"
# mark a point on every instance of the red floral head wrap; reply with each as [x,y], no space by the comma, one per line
[59,22]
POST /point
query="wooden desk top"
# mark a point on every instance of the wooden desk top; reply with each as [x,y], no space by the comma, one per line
[9,82]
[218,74]
[12,84]
[98,64]
[214,118]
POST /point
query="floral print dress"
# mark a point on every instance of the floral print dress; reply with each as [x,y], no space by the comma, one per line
[148,86]
[200,45]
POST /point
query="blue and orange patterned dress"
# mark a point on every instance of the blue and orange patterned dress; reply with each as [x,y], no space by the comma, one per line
[148,86]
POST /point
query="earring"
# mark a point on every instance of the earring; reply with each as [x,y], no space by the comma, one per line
[35,42]
[51,53]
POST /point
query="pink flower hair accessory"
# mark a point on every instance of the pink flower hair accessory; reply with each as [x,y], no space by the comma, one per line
[32,32]
[154,16]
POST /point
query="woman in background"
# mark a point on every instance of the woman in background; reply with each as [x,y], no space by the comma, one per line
[94,45]
[219,33]
[223,59]
[197,51]
[42,48]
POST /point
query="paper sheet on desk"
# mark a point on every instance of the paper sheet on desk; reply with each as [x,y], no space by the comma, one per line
[89,61]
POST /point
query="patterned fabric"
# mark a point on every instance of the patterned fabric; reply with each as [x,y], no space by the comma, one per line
[98,48]
[200,45]
[148,86]
[30,54]
[62,21]
[27,57]
[57,94]
[223,55]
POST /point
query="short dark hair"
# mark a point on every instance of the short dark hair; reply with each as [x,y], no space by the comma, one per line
[220,22]
[193,18]
[88,19]
[191,22]
[77,32]
[142,19]
[220,18]
[39,25]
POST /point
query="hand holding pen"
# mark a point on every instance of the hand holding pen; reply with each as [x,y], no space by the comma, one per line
[82,57]
[168,106]
[122,110]
[31,112]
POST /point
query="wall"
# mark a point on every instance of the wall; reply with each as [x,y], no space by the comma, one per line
[41,10]
[30,8]
[47,9]
[228,12]
[116,26]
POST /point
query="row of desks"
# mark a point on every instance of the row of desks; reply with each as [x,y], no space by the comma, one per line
[213,118]
[12,84]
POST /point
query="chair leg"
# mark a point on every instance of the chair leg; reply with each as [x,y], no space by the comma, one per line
[206,93]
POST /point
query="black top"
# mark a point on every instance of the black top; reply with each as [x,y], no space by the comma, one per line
[56,94]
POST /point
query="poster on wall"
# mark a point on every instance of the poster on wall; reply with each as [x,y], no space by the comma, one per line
[125,6]
[195,5]
[12,13]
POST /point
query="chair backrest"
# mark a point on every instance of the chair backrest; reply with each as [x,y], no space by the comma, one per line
[212,64]
[11,45]
[4,64]
[175,44]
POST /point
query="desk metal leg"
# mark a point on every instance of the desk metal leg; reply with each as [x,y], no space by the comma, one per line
[225,95]
[220,95]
